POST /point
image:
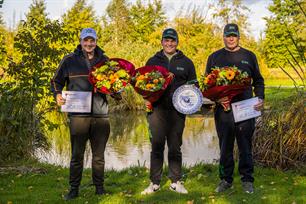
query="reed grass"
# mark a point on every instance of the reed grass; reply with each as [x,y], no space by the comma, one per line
[279,139]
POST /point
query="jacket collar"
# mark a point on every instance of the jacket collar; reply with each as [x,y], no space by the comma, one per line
[98,51]
[161,54]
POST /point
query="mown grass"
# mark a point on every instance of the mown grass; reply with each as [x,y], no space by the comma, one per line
[276,98]
[124,186]
[281,82]
[50,183]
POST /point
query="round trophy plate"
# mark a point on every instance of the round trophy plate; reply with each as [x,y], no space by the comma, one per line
[187,99]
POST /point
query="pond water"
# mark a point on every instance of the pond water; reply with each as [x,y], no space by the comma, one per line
[129,143]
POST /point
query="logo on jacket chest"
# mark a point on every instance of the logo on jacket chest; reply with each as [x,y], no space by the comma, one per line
[244,62]
[180,68]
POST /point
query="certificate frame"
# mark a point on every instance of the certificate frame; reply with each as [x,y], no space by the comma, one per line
[77,101]
[244,110]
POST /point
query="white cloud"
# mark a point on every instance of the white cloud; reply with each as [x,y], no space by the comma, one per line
[259,10]
[65,2]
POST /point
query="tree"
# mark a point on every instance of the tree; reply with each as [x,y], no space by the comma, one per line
[231,11]
[37,11]
[146,19]
[285,41]
[26,97]
[3,49]
[78,17]
[197,38]
[118,22]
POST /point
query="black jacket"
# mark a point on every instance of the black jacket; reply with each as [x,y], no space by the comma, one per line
[73,73]
[244,60]
[183,69]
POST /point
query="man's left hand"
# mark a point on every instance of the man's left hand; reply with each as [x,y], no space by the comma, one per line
[259,106]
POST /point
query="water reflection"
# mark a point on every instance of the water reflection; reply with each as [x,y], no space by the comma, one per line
[129,143]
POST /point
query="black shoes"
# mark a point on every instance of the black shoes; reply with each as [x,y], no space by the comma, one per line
[100,190]
[73,193]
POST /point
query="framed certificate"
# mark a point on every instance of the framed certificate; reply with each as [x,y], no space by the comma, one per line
[244,110]
[77,101]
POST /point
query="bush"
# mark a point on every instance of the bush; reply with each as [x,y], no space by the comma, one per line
[280,136]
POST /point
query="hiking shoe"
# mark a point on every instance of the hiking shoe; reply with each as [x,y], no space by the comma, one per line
[72,194]
[150,189]
[178,187]
[100,190]
[223,186]
[248,187]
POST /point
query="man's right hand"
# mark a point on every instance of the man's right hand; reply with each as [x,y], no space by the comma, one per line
[60,100]
[222,100]
[149,107]
[171,75]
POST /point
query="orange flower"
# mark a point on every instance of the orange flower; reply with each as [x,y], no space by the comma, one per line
[141,77]
[155,81]
[150,86]
[230,74]
[206,79]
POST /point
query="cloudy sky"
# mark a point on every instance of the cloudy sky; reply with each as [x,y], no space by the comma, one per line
[55,8]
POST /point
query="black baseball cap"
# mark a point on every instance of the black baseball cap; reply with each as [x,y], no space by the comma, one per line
[170,33]
[231,29]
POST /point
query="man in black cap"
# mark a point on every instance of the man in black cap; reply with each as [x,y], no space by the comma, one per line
[234,55]
[165,122]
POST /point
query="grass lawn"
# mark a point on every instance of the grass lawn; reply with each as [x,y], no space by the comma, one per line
[279,82]
[276,98]
[49,186]
[47,183]
[277,94]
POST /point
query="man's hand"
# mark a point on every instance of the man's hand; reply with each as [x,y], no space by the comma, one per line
[222,100]
[171,75]
[60,100]
[149,107]
[259,106]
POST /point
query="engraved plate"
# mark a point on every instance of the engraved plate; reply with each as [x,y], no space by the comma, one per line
[187,99]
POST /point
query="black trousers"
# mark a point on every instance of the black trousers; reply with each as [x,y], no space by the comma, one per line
[82,129]
[166,125]
[228,131]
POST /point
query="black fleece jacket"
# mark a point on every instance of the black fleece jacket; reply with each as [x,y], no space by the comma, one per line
[244,60]
[183,69]
[73,73]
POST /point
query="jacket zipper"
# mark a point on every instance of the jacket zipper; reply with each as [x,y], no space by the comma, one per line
[92,92]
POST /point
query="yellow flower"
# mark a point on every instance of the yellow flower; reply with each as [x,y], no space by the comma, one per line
[206,80]
[230,74]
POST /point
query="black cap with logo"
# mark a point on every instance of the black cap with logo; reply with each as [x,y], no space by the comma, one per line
[231,29]
[170,33]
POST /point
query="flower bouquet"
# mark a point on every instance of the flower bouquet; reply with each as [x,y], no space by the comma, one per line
[151,82]
[222,84]
[111,76]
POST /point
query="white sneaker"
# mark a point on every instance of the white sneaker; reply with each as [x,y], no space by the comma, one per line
[150,189]
[178,187]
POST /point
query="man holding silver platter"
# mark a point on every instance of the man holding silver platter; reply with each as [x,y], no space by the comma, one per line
[165,122]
